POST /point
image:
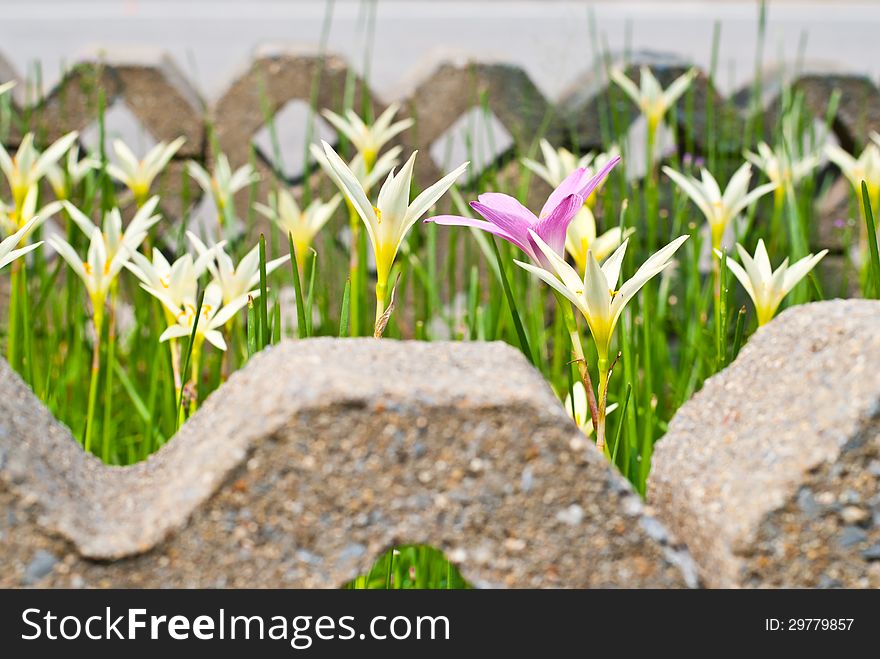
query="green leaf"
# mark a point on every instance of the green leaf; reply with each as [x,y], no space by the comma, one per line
[189,349]
[872,287]
[276,322]
[620,425]
[297,289]
[313,267]
[738,332]
[344,309]
[252,329]
[129,387]
[517,321]
[264,300]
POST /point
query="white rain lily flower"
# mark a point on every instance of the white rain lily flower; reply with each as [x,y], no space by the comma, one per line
[389,221]
[780,168]
[65,180]
[25,169]
[115,239]
[720,209]
[138,175]
[173,284]
[234,281]
[214,315]
[864,168]
[13,220]
[303,224]
[98,271]
[223,183]
[581,238]
[9,248]
[599,300]
[767,287]
[653,101]
[579,410]
[558,163]
[367,179]
[597,296]
[368,139]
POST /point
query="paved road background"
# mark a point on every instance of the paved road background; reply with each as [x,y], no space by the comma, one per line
[212,40]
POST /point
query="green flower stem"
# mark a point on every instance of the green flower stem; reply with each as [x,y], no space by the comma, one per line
[98,321]
[175,366]
[194,375]
[650,171]
[602,404]
[578,354]
[226,357]
[716,267]
[108,382]
[354,270]
[776,219]
[381,290]
[12,332]
[651,201]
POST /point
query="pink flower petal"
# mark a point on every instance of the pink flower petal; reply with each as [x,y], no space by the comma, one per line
[572,184]
[457,220]
[552,229]
[600,176]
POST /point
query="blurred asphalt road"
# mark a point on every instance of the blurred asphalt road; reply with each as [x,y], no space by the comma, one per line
[212,40]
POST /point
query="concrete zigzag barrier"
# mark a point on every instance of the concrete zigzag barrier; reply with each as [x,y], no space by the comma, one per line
[318,456]
[772,471]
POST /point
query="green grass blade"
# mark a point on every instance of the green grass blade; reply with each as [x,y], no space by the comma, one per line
[313,267]
[344,309]
[252,329]
[738,332]
[297,289]
[130,389]
[276,322]
[620,425]
[189,349]
[264,300]
[511,303]
[872,287]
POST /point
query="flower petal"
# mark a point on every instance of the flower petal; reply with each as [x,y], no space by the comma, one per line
[678,87]
[800,269]
[627,85]
[740,274]
[428,197]
[489,227]
[572,184]
[554,226]
[611,267]
[597,179]
[551,280]
[351,188]
[693,189]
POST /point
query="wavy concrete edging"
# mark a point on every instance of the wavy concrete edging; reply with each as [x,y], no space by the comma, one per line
[314,458]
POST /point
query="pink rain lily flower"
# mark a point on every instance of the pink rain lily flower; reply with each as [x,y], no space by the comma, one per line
[506,218]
